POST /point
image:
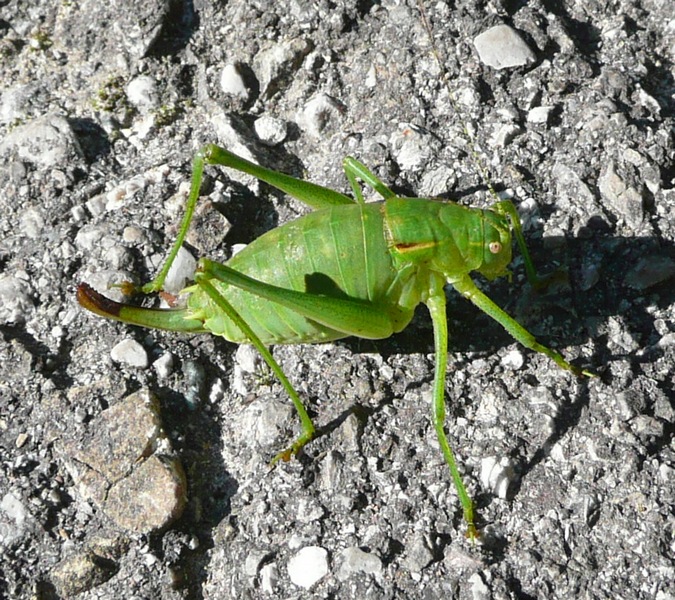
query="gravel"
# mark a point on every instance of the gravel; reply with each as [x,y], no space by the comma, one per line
[103,106]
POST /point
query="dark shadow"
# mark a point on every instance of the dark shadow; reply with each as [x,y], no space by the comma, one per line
[42,359]
[210,485]
[585,35]
[318,283]
[178,26]
[660,85]
[93,139]
[626,286]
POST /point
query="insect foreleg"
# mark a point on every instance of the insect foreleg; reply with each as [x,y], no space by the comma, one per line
[507,208]
[312,194]
[308,429]
[468,289]
[197,172]
[436,305]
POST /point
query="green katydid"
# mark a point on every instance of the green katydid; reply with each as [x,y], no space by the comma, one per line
[349,268]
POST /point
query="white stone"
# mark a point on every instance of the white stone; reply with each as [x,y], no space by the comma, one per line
[15,300]
[131,353]
[142,93]
[182,270]
[539,114]
[497,474]
[269,576]
[514,359]
[318,113]
[232,82]
[47,142]
[247,358]
[14,517]
[308,566]
[502,47]
[355,560]
[270,131]
[164,365]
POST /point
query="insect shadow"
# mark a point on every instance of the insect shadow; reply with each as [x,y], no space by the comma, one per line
[591,283]
[599,279]
[396,266]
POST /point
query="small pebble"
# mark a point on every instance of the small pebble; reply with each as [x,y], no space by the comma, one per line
[539,114]
[269,576]
[479,590]
[622,198]
[164,365]
[142,93]
[514,360]
[130,352]
[270,131]
[15,300]
[318,113]
[505,134]
[46,142]
[278,62]
[232,82]
[247,358]
[355,560]
[497,475]
[181,271]
[650,271]
[14,517]
[308,566]
[502,47]
[418,555]
[80,572]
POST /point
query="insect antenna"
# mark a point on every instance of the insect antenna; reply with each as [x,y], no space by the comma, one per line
[468,136]
[504,207]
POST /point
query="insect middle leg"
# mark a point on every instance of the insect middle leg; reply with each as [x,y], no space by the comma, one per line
[436,305]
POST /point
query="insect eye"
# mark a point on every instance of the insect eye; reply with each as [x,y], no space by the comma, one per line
[495,247]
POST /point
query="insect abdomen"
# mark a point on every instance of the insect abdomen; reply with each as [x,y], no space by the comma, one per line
[338,251]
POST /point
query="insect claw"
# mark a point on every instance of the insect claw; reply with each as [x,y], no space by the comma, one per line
[128,288]
[296,447]
[170,299]
[150,288]
[285,455]
[472,533]
[579,372]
